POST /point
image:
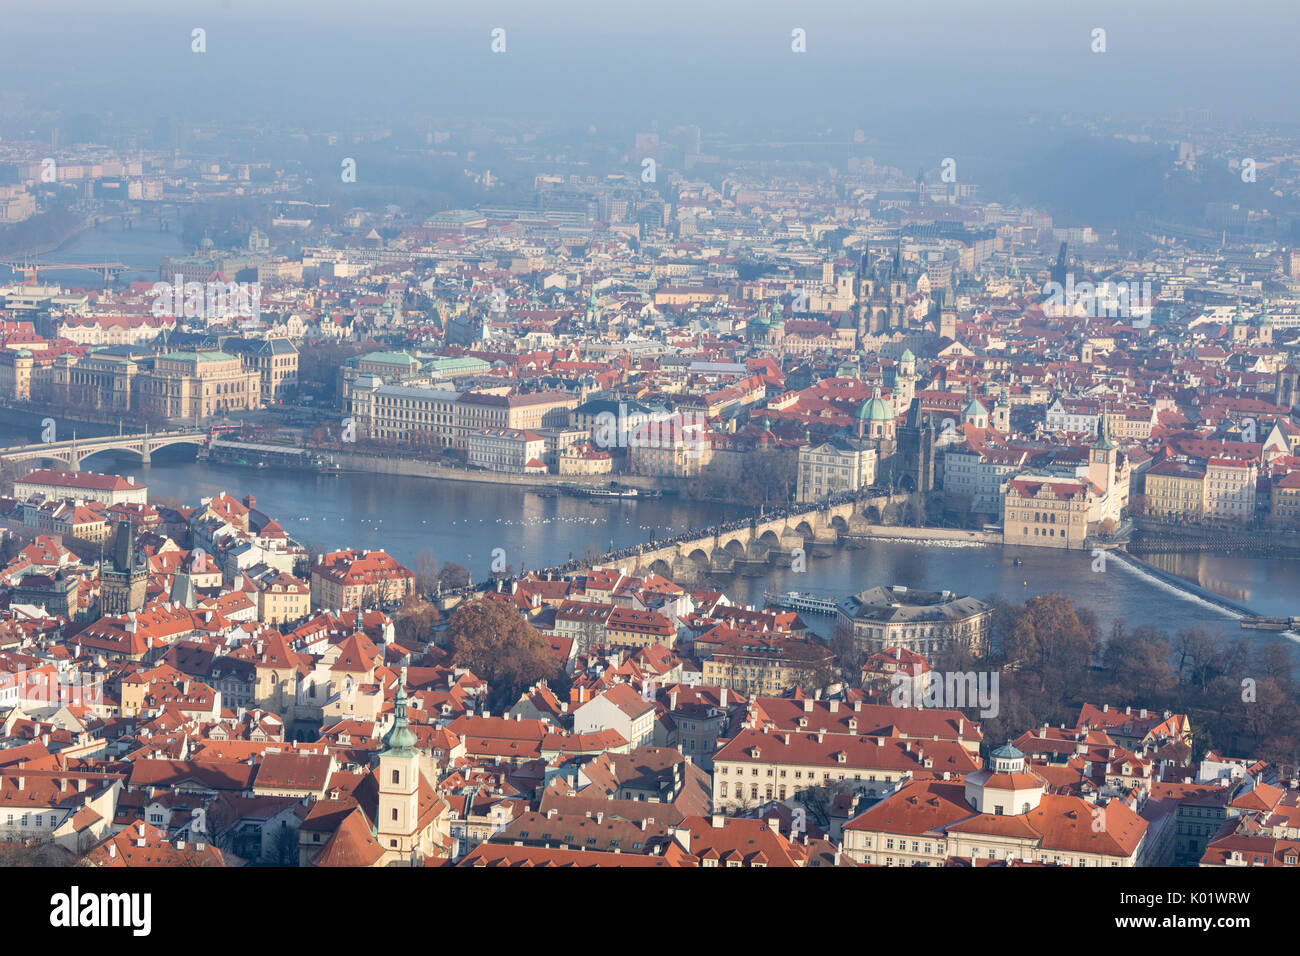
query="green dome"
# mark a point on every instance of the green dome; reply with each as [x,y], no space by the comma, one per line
[907,356]
[876,409]
[973,409]
[1007,752]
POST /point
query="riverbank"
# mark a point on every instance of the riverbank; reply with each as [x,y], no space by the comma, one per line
[11,239]
[948,536]
[1155,537]
[29,416]
[358,463]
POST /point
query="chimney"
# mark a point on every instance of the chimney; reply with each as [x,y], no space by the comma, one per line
[81,784]
[112,851]
[834,705]
[807,705]
[21,782]
[600,816]
[672,700]
[722,697]
[774,824]
[718,821]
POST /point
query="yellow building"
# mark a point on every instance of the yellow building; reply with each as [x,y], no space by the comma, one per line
[1285,506]
[281,598]
[1176,490]
[350,579]
[198,385]
[627,627]
[1046,512]
[16,374]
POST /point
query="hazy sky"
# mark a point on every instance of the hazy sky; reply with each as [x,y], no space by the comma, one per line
[704,60]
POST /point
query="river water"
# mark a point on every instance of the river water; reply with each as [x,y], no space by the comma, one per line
[141,248]
[464,523]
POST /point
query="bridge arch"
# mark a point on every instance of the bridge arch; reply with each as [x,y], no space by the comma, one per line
[765,545]
[735,547]
[806,530]
[662,568]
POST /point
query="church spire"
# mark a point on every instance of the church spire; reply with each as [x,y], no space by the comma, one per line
[400,741]
[1103,440]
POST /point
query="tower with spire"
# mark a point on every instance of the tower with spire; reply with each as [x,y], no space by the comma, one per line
[1002,412]
[398,773]
[1103,456]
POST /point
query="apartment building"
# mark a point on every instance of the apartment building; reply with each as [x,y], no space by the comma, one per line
[977,474]
[1284,504]
[355,578]
[620,709]
[512,450]
[110,489]
[1229,490]
[1175,490]
[760,765]
[447,418]
[756,662]
[839,464]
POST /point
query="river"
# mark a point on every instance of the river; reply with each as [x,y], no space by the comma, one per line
[141,248]
[464,523]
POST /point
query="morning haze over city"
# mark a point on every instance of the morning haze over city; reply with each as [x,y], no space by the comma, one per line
[586,436]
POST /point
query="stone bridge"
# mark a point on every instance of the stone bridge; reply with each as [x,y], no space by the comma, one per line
[73,452]
[765,541]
